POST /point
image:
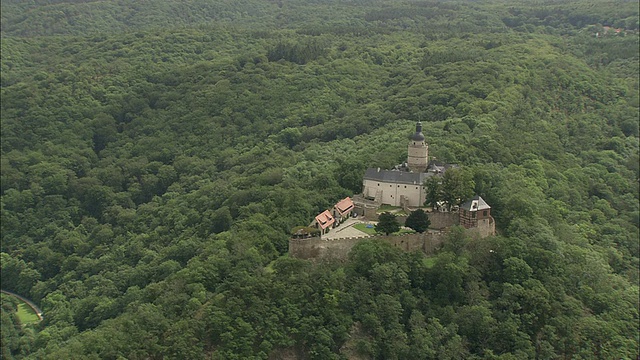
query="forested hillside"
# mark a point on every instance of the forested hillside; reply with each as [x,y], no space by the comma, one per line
[155,156]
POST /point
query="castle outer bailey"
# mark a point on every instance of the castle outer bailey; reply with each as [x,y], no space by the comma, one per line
[318,247]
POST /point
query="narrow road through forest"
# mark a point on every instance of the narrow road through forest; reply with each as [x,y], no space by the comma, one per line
[35,308]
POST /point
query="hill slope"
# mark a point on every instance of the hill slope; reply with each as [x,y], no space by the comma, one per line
[152,169]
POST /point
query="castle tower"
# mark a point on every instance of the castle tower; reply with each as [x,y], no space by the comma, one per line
[418,158]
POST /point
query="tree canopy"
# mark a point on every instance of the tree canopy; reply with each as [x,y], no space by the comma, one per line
[451,189]
[155,157]
[418,221]
[387,223]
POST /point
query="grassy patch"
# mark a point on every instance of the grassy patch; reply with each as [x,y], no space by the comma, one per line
[26,314]
[389,208]
[269,268]
[363,227]
[429,262]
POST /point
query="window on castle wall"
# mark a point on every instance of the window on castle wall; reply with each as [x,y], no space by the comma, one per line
[484,213]
[473,215]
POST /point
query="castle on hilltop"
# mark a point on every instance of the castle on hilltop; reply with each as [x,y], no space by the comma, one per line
[402,187]
[404,184]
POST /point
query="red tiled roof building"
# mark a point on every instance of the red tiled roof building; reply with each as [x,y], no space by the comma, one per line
[324,221]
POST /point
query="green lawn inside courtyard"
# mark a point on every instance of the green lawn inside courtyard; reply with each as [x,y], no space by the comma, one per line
[363,227]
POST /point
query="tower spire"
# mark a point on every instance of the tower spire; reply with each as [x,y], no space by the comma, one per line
[418,136]
[418,158]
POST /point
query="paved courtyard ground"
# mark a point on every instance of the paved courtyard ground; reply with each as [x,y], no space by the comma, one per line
[346,229]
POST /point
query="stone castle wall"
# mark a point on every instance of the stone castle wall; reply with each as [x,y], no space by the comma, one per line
[428,243]
[486,227]
[370,213]
[439,220]
[317,248]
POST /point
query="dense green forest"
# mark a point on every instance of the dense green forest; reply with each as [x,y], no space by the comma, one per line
[155,156]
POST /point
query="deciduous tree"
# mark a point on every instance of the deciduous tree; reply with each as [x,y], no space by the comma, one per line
[433,189]
[457,186]
[418,221]
[387,223]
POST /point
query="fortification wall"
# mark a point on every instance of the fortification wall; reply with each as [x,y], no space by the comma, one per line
[317,248]
[441,220]
[370,213]
[486,227]
[427,242]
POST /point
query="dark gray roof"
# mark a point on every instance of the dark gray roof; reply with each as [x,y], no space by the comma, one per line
[396,176]
[434,164]
[476,203]
[418,136]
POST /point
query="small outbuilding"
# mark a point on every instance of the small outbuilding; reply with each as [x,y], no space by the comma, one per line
[342,209]
[324,221]
[476,213]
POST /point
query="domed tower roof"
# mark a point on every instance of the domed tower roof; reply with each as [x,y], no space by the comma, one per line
[418,135]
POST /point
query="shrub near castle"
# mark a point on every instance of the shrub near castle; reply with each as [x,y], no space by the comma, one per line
[302,232]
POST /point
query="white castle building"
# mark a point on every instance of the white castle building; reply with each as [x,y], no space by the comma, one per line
[404,185]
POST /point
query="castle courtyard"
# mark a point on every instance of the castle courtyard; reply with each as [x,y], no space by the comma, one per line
[346,230]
